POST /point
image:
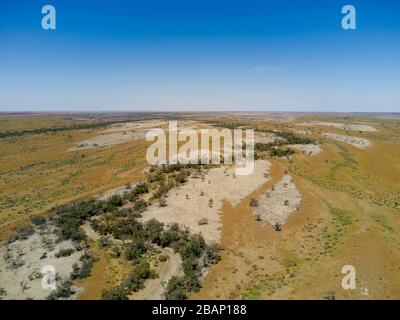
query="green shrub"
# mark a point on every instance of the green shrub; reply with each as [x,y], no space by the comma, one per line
[3,293]
[154,229]
[38,220]
[83,271]
[140,206]
[133,195]
[135,249]
[103,242]
[176,289]
[181,177]
[128,228]
[64,252]
[117,293]
[212,254]
[63,291]
[163,257]
[70,217]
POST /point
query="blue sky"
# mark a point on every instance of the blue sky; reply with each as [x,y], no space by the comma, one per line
[200,55]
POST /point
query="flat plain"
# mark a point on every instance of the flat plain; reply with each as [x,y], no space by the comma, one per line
[325,194]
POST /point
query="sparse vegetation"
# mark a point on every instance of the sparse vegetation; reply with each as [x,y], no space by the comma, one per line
[349,178]
[253,202]
[3,293]
[63,291]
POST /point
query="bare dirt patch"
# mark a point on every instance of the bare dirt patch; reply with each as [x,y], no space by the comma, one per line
[343,126]
[106,140]
[265,137]
[125,132]
[277,203]
[305,132]
[23,260]
[308,149]
[354,141]
[197,203]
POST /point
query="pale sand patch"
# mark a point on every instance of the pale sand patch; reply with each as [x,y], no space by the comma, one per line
[305,132]
[276,204]
[106,140]
[354,141]
[308,149]
[266,137]
[344,126]
[124,132]
[136,125]
[90,233]
[148,124]
[186,205]
[21,264]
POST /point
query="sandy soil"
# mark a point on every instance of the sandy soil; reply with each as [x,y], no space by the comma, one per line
[308,149]
[306,132]
[265,137]
[201,198]
[106,140]
[90,233]
[354,141]
[22,263]
[125,132]
[276,204]
[344,126]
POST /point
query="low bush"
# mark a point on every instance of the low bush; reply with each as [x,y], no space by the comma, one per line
[140,206]
[176,289]
[181,177]
[62,292]
[116,293]
[136,249]
[64,253]
[163,257]
[38,220]
[83,271]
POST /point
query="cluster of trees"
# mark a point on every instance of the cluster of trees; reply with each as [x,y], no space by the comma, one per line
[274,148]
[84,270]
[134,282]
[291,138]
[70,217]
[194,252]
[134,194]
[63,291]
[122,223]
[280,152]
[8,134]
[228,124]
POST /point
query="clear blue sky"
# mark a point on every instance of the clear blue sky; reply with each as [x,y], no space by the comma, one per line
[200,55]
